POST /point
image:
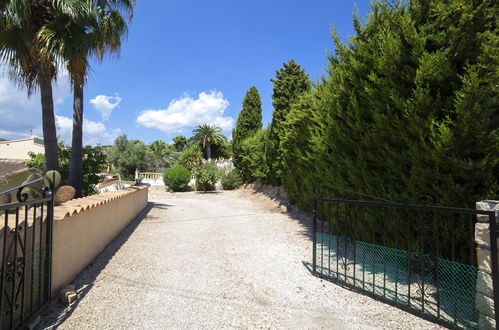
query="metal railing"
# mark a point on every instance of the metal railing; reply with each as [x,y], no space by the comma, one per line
[26,252]
[417,257]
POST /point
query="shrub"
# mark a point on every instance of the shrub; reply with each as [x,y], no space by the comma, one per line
[231,180]
[177,178]
[191,156]
[94,162]
[206,176]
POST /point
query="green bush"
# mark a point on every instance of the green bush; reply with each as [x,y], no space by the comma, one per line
[177,178]
[94,162]
[206,177]
[191,156]
[231,180]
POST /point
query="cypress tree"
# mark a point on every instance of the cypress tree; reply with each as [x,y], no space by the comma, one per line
[291,81]
[249,121]
[252,163]
[302,148]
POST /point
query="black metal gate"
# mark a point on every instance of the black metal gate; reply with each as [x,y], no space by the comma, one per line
[25,249]
[417,257]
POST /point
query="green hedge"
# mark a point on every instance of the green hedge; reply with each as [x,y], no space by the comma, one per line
[408,108]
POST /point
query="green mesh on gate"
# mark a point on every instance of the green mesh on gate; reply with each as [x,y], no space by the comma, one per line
[402,277]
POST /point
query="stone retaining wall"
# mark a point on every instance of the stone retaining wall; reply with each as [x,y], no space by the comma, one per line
[484,287]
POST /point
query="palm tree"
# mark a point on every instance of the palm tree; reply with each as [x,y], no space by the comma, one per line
[161,154]
[21,49]
[208,135]
[97,32]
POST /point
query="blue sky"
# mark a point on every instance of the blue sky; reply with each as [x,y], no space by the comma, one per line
[186,62]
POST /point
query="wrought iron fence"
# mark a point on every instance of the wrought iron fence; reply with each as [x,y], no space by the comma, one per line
[420,258]
[25,249]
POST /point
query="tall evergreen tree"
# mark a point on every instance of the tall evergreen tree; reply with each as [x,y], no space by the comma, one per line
[249,121]
[291,81]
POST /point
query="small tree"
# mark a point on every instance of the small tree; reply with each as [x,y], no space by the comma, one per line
[128,155]
[180,143]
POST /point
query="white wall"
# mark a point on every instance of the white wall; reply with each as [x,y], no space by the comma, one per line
[18,149]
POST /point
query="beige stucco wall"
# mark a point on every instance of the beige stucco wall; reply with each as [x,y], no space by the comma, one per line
[84,227]
[18,149]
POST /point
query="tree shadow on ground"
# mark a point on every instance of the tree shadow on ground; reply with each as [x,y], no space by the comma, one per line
[57,313]
[305,220]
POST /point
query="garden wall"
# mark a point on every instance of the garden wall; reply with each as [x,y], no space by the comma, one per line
[84,227]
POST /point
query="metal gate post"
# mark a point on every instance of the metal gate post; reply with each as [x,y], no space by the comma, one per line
[49,239]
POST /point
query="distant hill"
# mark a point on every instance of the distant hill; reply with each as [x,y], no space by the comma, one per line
[3,139]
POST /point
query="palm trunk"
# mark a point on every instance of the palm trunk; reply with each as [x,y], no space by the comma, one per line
[76,170]
[48,121]
[208,151]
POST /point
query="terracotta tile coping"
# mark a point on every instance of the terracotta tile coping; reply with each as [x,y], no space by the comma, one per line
[75,206]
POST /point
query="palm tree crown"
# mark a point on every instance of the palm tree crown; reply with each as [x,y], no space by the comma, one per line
[161,154]
[208,135]
[22,49]
[98,30]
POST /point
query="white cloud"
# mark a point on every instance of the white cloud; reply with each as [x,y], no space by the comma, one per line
[105,104]
[18,113]
[93,132]
[187,112]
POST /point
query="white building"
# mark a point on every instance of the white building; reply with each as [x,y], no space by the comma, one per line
[18,149]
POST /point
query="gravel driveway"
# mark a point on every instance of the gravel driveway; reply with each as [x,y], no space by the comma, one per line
[217,260]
